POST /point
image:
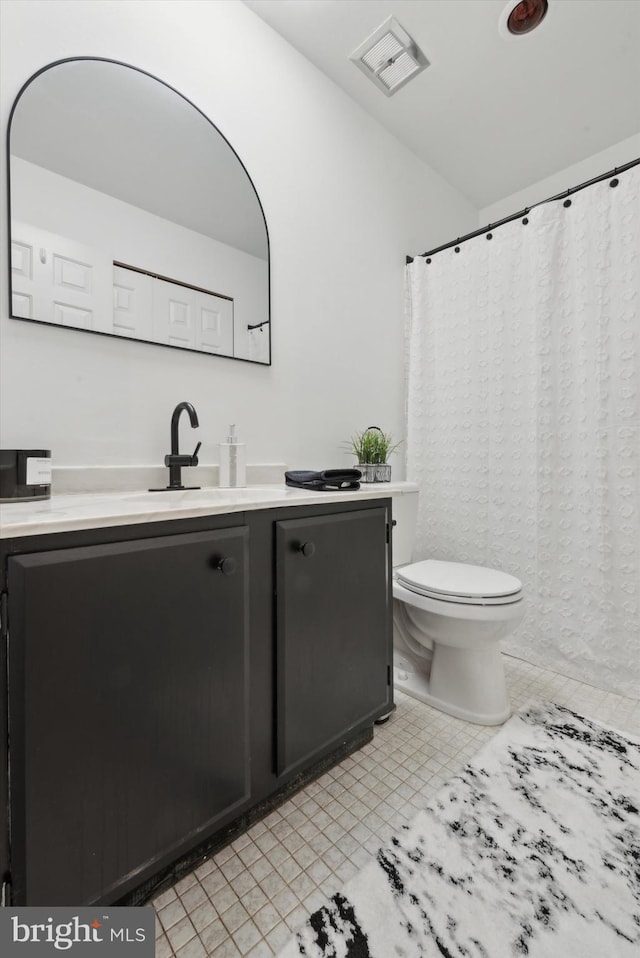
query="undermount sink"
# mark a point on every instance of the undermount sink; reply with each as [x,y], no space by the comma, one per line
[187,497]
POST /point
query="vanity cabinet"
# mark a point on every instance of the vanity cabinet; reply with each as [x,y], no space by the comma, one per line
[170,682]
[129,667]
[331,630]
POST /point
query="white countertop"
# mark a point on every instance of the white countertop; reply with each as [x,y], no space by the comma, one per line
[68,513]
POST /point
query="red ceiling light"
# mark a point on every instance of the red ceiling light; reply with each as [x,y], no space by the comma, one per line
[526,16]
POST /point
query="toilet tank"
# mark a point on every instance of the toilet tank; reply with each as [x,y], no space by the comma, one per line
[404,509]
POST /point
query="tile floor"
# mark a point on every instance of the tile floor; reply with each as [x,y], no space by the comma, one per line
[248,898]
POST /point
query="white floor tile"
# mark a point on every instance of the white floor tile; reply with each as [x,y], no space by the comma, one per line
[245,900]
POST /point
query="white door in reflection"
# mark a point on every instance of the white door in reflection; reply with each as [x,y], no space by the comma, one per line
[58,280]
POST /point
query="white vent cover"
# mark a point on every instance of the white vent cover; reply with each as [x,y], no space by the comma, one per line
[389,57]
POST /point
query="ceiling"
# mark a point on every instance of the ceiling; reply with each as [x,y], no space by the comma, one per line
[491,115]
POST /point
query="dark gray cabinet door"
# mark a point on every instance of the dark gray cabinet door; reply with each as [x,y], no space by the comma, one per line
[128,709]
[333,630]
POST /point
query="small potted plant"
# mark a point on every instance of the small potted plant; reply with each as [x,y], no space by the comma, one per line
[372,448]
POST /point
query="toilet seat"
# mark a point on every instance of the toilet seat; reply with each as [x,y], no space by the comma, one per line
[460,583]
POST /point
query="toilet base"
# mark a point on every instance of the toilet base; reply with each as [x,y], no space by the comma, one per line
[468,686]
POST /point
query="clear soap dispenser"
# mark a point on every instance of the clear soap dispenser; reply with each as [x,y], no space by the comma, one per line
[233,462]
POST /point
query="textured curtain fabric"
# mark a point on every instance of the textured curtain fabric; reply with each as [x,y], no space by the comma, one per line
[524,422]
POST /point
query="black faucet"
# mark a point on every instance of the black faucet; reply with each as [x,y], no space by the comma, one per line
[174,460]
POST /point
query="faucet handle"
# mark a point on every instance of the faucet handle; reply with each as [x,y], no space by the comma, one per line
[183,460]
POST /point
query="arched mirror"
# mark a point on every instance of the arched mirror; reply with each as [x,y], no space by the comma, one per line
[131,215]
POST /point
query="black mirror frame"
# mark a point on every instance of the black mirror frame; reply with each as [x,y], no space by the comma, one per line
[92,332]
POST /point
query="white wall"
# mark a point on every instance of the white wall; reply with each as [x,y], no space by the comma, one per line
[343,200]
[592,166]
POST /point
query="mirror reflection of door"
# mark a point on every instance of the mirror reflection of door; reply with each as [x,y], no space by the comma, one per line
[131,215]
[59,280]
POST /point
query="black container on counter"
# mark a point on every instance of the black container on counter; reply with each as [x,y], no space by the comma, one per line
[25,474]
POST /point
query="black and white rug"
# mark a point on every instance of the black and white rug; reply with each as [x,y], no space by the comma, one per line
[533,850]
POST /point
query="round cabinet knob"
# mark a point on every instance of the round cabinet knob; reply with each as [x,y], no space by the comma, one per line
[307,549]
[228,566]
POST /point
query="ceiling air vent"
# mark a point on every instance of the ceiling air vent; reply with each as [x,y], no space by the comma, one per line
[389,57]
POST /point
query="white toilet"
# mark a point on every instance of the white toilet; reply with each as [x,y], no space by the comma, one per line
[448,618]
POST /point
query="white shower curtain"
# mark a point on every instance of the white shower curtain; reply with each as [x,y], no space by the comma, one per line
[524,423]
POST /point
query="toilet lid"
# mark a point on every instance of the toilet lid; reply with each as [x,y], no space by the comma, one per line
[457,581]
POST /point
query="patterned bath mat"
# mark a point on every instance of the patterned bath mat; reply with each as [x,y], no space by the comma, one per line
[533,850]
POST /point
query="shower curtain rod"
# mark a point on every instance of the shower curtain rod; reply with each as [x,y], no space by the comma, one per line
[515,216]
